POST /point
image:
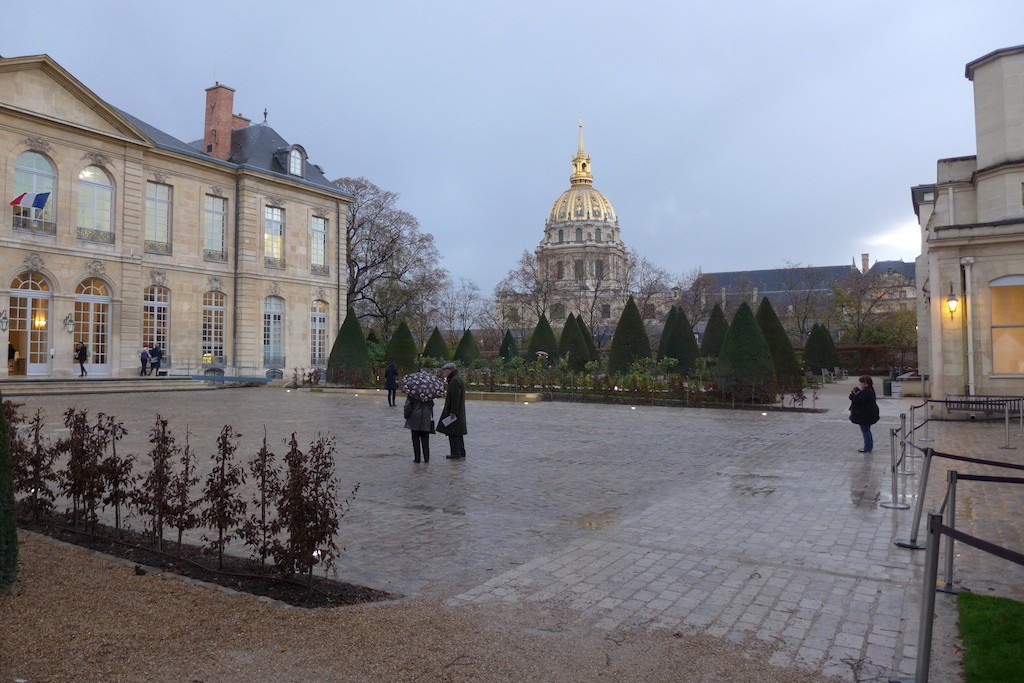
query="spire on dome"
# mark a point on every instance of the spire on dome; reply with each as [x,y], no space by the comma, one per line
[581,164]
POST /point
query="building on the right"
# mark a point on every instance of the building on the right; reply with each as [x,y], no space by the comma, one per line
[970,273]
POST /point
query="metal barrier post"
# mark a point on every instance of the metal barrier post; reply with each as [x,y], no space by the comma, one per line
[906,469]
[1020,409]
[913,424]
[928,421]
[921,489]
[948,586]
[893,504]
[924,635]
[1006,420]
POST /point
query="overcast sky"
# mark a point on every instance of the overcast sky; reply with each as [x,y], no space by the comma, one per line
[728,135]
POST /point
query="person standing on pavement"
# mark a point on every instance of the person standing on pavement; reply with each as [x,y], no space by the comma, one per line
[81,355]
[419,417]
[864,410]
[391,384]
[144,359]
[156,355]
[453,416]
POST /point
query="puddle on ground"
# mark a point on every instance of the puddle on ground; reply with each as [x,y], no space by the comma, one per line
[597,520]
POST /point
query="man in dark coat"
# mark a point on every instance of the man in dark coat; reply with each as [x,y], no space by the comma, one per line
[454,407]
[864,410]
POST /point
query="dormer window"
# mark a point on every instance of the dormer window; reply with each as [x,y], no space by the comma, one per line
[295,162]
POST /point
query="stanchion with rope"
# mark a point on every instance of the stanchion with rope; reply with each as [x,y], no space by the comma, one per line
[931,572]
[919,508]
[927,422]
[949,508]
[905,469]
[1006,420]
[893,504]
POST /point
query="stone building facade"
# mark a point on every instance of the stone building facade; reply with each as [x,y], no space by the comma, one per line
[971,269]
[227,252]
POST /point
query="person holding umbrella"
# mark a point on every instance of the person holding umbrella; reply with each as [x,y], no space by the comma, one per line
[453,416]
[421,389]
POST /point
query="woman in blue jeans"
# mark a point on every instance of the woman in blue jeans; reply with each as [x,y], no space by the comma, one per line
[864,410]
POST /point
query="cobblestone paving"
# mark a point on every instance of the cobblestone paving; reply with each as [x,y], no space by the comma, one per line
[760,528]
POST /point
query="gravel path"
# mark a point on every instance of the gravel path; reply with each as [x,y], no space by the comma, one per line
[78,616]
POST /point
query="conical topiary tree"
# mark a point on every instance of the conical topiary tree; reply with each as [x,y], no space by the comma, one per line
[576,353]
[744,361]
[437,347]
[563,339]
[401,349]
[468,350]
[630,342]
[588,338]
[349,362]
[714,333]
[509,348]
[820,350]
[681,344]
[542,339]
[784,360]
[8,521]
[666,331]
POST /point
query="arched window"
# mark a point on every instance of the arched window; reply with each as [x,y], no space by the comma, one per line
[597,234]
[318,334]
[561,236]
[35,178]
[560,270]
[214,311]
[295,162]
[599,269]
[579,234]
[1008,324]
[156,314]
[273,332]
[92,321]
[95,205]
[29,327]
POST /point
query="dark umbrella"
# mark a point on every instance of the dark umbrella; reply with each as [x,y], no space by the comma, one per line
[423,386]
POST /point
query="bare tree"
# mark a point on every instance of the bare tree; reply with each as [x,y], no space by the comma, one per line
[861,299]
[805,296]
[389,260]
[646,283]
[459,308]
[697,295]
[525,292]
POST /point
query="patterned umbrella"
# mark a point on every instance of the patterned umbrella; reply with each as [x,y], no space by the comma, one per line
[423,386]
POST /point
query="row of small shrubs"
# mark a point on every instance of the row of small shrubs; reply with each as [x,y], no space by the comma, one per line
[292,517]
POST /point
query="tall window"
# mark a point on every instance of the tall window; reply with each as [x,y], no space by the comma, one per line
[156,310]
[273,332]
[158,218]
[95,205]
[318,246]
[579,234]
[29,333]
[213,328]
[318,334]
[561,236]
[215,228]
[273,237]
[1008,325]
[92,320]
[606,310]
[579,270]
[560,269]
[597,234]
[295,162]
[33,173]
[599,269]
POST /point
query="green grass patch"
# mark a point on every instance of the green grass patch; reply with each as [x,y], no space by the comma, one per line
[992,630]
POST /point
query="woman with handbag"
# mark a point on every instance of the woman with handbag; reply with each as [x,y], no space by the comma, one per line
[419,418]
[864,410]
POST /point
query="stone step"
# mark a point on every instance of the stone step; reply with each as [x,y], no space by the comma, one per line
[12,387]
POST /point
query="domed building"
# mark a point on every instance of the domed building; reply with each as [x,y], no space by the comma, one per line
[582,254]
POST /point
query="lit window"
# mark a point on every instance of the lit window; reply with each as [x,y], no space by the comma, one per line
[273,332]
[33,173]
[318,246]
[214,308]
[156,307]
[273,237]
[1008,325]
[318,334]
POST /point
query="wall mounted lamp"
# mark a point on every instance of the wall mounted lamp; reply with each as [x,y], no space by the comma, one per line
[952,302]
[69,323]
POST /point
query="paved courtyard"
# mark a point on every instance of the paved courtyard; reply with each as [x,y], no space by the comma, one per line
[748,526]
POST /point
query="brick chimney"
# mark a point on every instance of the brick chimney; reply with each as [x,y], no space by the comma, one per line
[864,264]
[217,132]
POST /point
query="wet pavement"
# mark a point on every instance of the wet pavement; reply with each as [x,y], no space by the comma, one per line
[749,526]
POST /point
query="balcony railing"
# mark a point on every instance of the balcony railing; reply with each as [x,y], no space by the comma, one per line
[36,225]
[272,361]
[215,255]
[214,359]
[273,262]
[317,269]
[93,235]
[318,361]
[154,247]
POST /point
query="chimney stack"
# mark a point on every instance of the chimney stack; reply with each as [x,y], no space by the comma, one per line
[864,264]
[220,99]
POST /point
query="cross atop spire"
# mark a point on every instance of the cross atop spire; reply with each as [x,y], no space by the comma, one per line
[581,164]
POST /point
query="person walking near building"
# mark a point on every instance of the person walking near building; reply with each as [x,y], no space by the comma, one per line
[144,359]
[419,417]
[864,410]
[156,356]
[453,416]
[391,383]
[81,355]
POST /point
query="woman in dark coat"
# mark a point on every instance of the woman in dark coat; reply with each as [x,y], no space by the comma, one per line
[864,410]
[391,383]
[418,418]
[455,410]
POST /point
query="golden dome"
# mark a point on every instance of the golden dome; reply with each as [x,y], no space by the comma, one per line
[582,202]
